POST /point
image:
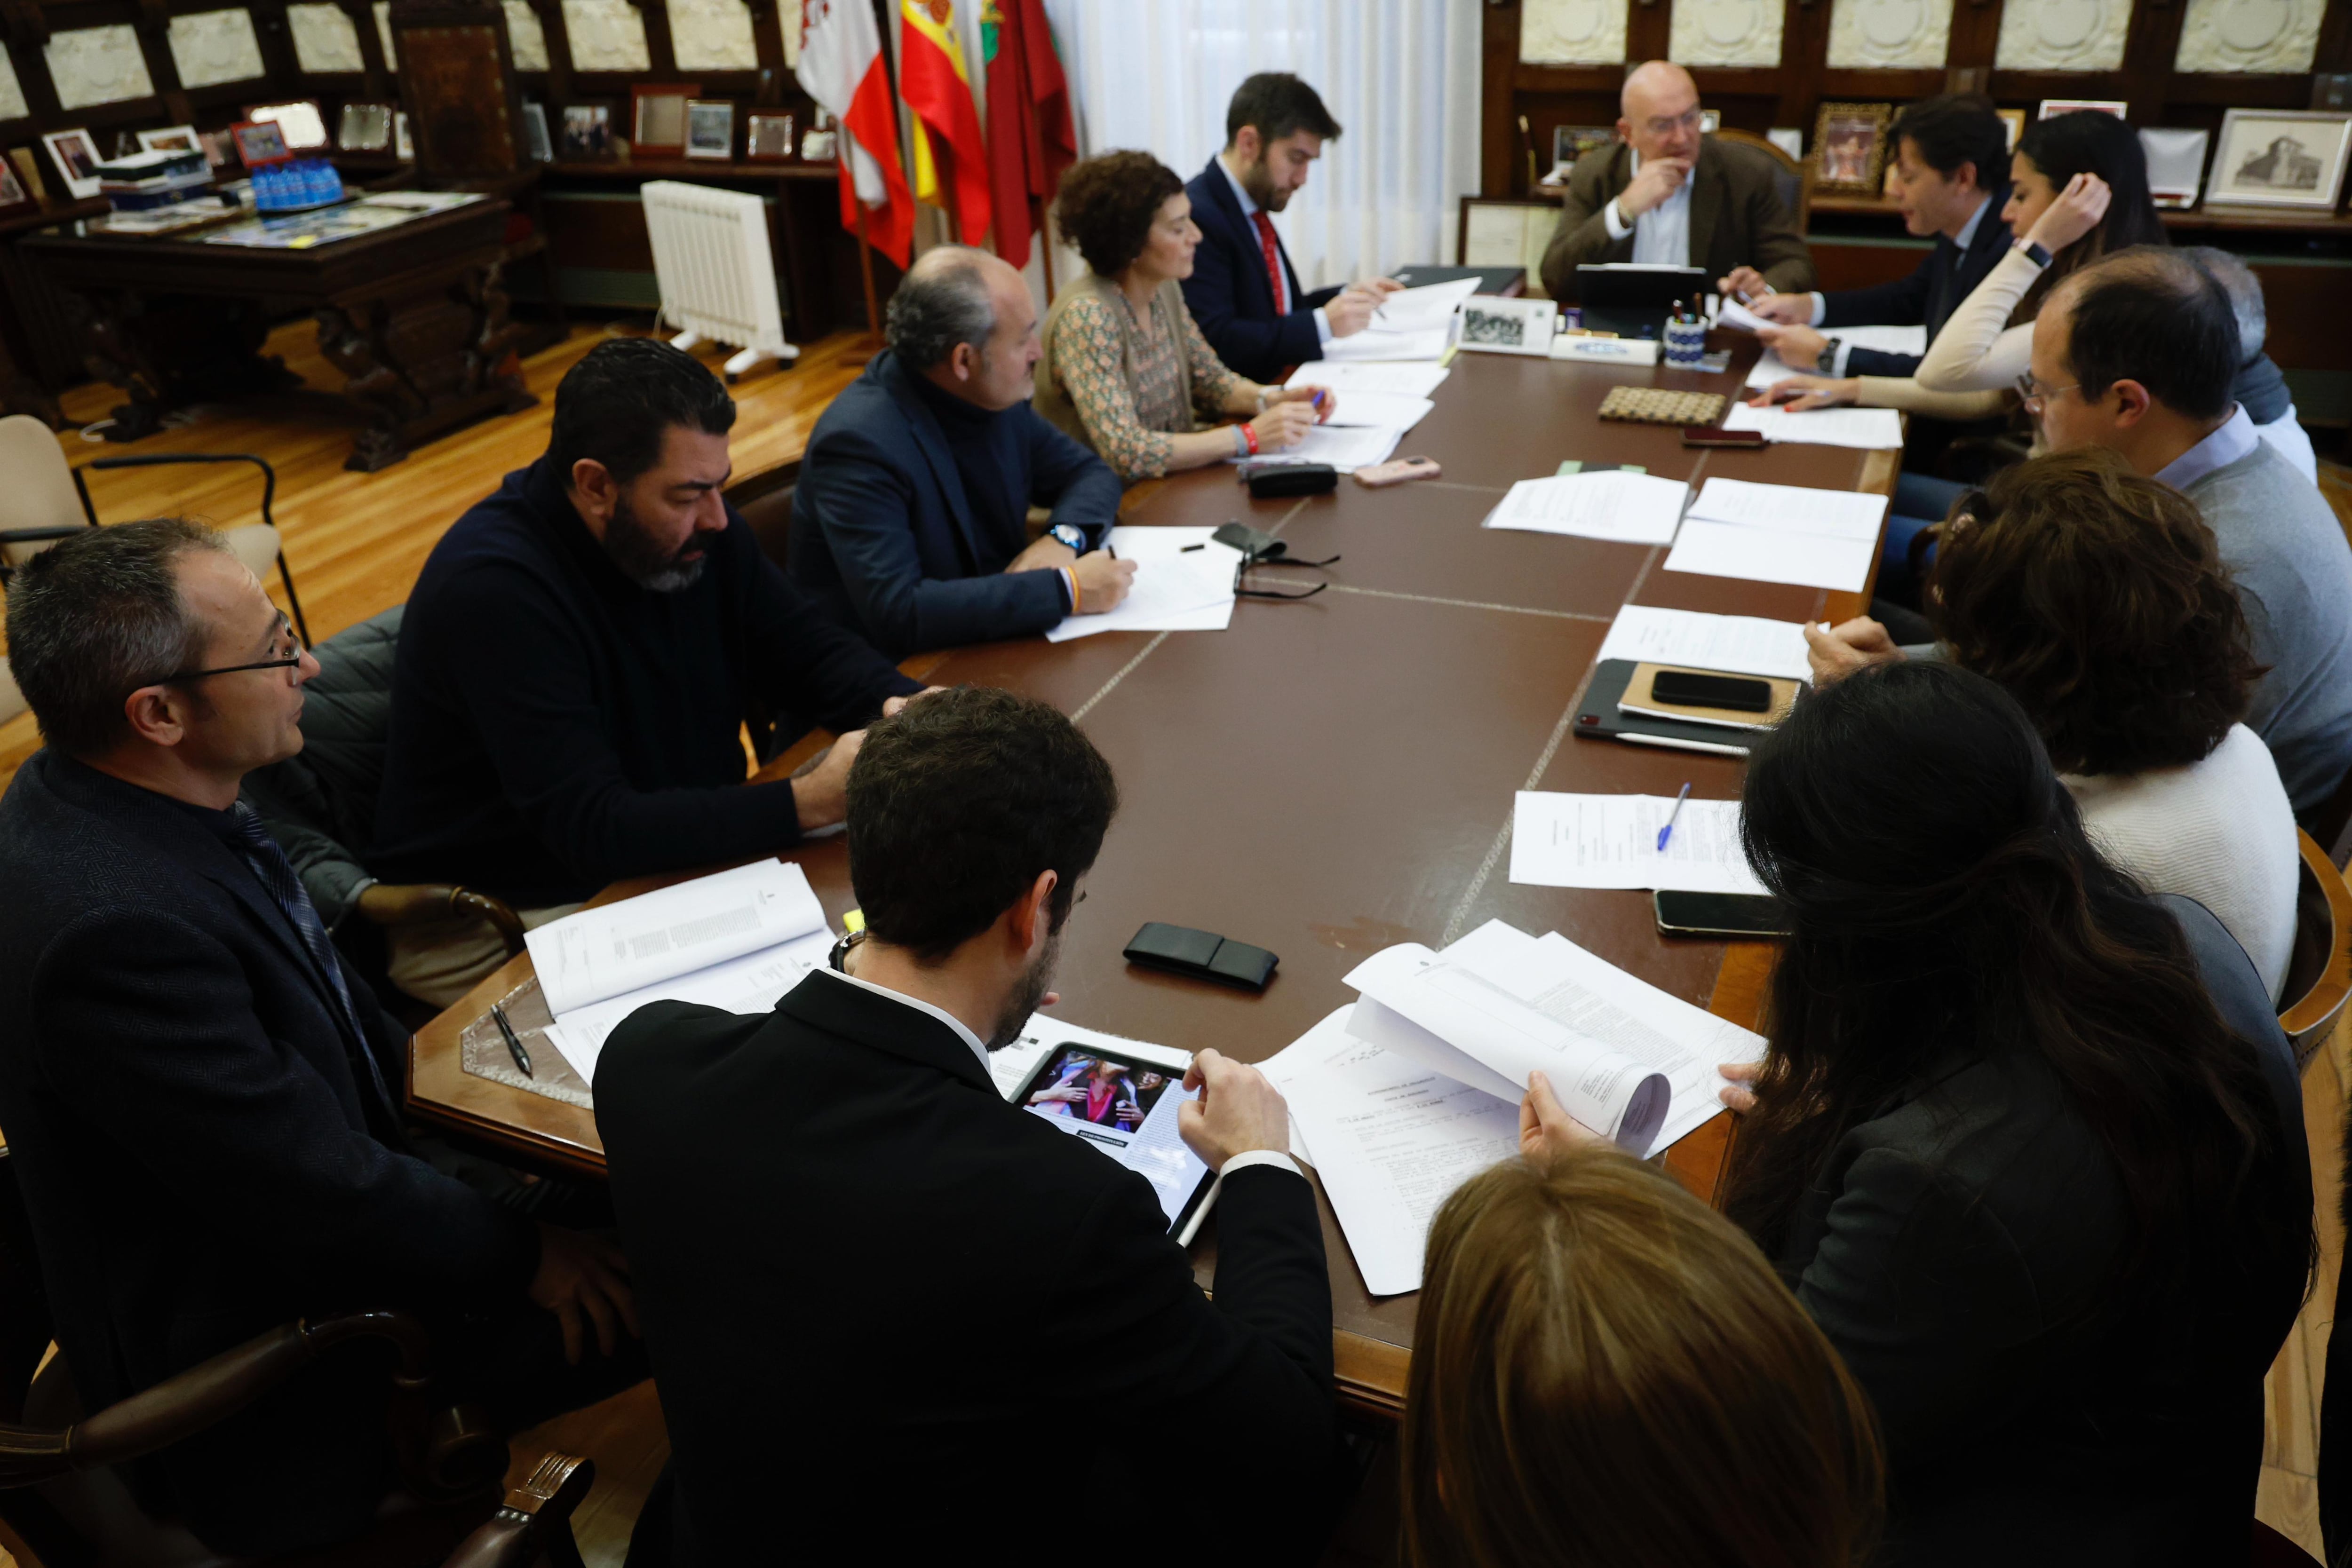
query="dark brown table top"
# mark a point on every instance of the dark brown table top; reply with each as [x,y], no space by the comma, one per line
[1332,775]
[462,238]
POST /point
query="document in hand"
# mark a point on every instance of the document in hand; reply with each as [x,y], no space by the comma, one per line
[667,944]
[1430,305]
[1345,447]
[1396,380]
[1612,841]
[1632,509]
[1176,588]
[1742,645]
[1869,428]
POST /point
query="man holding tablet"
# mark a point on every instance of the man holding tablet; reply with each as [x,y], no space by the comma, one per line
[891,1312]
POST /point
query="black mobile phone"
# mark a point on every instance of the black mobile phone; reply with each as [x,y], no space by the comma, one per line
[1741,693]
[1715,436]
[1720,915]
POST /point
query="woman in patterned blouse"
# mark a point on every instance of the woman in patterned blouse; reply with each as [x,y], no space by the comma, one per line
[1124,369]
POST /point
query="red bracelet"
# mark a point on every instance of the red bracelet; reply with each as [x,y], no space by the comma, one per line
[1250,437]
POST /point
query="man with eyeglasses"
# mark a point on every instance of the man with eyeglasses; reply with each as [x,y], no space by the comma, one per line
[202,1098]
[1663,194]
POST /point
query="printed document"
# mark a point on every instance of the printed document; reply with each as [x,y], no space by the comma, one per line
[1345,447]
[1360,408]
[1612,841]
[751,984]
[1848,514]
[1742,645]
[1398,380]
[1430,305]
[1175,589]
[1424,343]
[1770,555]
[1632,509]
[1869,428]
[1770,368]
[618,948]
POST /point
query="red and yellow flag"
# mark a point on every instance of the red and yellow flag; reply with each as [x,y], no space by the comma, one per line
[950,158]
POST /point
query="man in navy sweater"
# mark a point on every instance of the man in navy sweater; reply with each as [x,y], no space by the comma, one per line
[1244,291]
[579,660]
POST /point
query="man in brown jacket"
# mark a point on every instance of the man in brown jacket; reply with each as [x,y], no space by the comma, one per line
[1664,194]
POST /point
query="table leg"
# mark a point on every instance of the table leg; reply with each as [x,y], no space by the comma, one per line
[424,360]
[167,351]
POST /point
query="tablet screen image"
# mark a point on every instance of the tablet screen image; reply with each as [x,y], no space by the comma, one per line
[1124,1107]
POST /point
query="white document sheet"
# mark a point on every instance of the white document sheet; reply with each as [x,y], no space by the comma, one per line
[1743,644]
[1430,305]
[1632,509]
[1425,344]
[1770,368]
[1771,555]
[1176,588]
[1870,429]
[1346,447]
[637,942]
[751,984]
[1396,1139]
[1845,514]
[1612,841]
[1397,379]
[1363,408]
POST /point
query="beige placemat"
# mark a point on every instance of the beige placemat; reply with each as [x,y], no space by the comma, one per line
[482,1051]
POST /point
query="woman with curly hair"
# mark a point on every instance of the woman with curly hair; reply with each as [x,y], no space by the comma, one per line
[1125,368]
[2097,599]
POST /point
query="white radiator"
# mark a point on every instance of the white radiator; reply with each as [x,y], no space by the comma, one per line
[716,275]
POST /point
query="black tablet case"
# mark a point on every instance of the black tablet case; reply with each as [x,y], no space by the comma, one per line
[1597,718]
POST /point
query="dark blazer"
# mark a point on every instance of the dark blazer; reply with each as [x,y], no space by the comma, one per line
[884,535]
[1926,296]
[1230,296]
[1958,1249]
[203,1152]
[885,1306]
[1736,218]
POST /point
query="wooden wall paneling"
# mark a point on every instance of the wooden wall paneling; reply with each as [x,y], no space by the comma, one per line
[1499,128]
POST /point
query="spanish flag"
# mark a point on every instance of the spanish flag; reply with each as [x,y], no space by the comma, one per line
[949,152]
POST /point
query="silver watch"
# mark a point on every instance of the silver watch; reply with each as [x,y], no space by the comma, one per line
[1070,535]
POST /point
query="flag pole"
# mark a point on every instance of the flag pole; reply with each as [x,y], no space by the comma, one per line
[1045,249]
[866,269]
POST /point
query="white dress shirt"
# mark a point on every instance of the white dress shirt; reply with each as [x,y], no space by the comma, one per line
[2233,440]
[1662,234]
[1282,301]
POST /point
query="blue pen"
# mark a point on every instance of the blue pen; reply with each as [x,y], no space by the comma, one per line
[1672,815]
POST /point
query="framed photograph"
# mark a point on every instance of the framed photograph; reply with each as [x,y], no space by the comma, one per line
[301,121]
[816,146]
[2176,164]
[171,139]
[657,118]
[1493,325]
[366,128]
[14,197]
[534,134]
[2014,121]
[77,159]
[1570,142]
[2056,106]
[404,144]
[1710,121]
[768,138]
[586,136]
[709,129]
[260,142]
[2280,158]
[1850,148]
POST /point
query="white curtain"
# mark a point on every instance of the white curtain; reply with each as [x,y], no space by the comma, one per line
[1399,76]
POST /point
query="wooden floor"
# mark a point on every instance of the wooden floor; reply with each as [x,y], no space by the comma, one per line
[356,542]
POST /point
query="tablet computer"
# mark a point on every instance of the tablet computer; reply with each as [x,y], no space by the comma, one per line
[1126,1107]
[1624,297]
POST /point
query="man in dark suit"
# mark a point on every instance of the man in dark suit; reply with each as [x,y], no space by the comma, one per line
[1243,292]
[924,1315]
[910,524]
[201,1097]
[1950,181]
[1664,194]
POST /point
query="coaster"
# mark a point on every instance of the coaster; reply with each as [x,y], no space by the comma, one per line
[1658,406]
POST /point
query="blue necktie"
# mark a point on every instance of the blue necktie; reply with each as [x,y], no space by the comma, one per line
[276,875]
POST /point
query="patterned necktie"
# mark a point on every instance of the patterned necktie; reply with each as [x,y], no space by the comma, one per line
[276,876]
[1273,249]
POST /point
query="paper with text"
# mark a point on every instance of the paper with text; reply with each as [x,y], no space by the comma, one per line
[1363,408]
[637,942]
[1868,428]
[1770,368]
[1631,508]
[751,984]
[1183,582]
[1396,380]
[1771,555]
[1612,841]
[1426,345]
[1430,305]
[1345,447]
[1742,645]
[1846,514]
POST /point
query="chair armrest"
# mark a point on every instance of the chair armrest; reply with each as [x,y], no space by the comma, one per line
[158,459]
[412,904]
[534,1523]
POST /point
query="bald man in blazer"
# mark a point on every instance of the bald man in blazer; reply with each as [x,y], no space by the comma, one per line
[1663,194]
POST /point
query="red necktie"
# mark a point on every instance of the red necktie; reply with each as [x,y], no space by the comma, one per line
[1273,249]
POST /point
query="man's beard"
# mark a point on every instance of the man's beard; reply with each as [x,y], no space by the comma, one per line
[1258,181]
[642,558]
[1024,1001]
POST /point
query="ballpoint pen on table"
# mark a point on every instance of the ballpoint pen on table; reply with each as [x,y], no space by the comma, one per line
[514,1045]
[1672,815]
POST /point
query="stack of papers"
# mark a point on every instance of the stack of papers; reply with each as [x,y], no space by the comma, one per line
[1183,582]
[1871,428]
[1781,533]
[1397,381]
[1742,645]
[1427,343]
[1346,447]
[1615,504]
[739,940]
[1370,408]
[1612,841]
[1770,368]
[1414,1089]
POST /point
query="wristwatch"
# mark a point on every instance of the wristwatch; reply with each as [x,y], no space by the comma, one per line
[1070,535]
[1826,363]
[2033,253]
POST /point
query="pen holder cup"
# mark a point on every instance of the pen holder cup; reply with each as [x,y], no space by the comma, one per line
[1685,343]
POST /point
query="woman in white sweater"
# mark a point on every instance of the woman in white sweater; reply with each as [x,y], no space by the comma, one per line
[2097,598]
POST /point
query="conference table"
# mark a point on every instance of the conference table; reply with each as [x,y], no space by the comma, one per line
[1329,776]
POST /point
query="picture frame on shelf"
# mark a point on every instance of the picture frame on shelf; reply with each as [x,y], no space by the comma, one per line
[1571,143]
[260,142]
[1850,148]
[768,139]
[404,142]
[710,128]
[2012,121]
[365,127]
[2280,158]
[817,146]
[536,140]
[220,147]
[75,154]
[14,198]
[28,173]
[1493,325]
[2056,106]
[657,118]
[586,134]
[171,139]
[2176,164]
[1710,121]
[301,121]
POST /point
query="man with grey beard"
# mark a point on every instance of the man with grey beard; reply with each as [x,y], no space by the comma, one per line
[579,659]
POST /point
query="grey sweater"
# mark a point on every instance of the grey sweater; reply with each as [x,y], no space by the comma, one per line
[2294,570]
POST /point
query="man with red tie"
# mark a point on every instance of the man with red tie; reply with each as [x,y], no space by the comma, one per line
[1244,291]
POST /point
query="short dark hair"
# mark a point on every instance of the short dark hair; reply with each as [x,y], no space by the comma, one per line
[957,802]
[617,404]
[1106,206]
[1956,128]
[2153,316]
[1277,104]
[942,301]
[96,616]
[2095,597]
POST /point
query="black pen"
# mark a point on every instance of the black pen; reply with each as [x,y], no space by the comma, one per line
[514,1046]
[1187,549]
